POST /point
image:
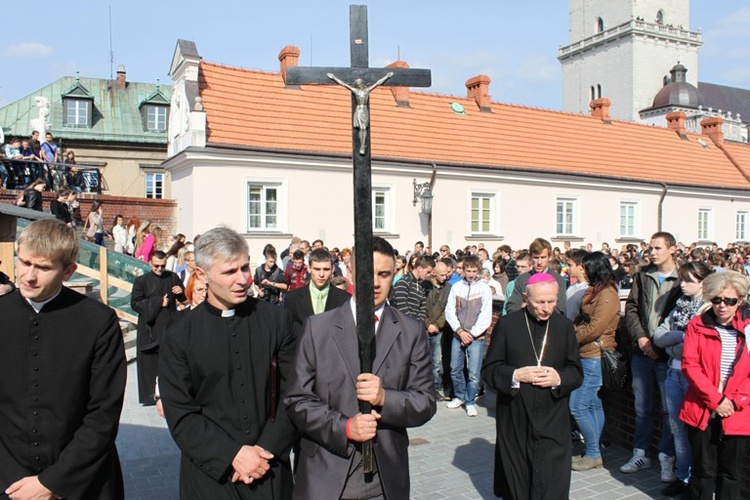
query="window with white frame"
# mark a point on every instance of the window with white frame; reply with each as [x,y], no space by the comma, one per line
[381,210]
[741,231]
[704,224]
[565,220]
[77,113]
[154,185]
[628,219]
[481,213]
[263,207]
[156,118]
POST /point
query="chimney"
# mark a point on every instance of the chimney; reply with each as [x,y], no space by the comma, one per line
[478,88]
[289,57]
[600,109]
[400,94]
[676,122]
[121,77]
[712,127]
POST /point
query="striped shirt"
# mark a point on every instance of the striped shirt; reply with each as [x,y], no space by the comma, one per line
[728,338]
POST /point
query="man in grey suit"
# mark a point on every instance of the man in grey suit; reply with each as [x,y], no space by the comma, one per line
[326,385]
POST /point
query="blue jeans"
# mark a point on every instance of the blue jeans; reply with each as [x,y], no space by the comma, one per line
[437,359]
[649,375]
[473,353]
[586,407]
[677,386]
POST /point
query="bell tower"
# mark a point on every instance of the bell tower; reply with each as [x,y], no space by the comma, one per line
[623,50]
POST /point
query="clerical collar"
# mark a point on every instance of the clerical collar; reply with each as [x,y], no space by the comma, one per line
[378,313]
[224,313]
[38,305]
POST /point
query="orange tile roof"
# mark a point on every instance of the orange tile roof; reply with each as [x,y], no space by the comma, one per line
[255,109]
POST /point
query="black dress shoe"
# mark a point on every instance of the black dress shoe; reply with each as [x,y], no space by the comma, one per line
[674,489]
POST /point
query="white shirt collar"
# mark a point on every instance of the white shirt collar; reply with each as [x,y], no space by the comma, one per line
[378,313]
[38,305]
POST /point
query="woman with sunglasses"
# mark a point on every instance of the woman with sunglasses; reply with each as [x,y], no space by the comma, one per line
[716,363]
[670,336]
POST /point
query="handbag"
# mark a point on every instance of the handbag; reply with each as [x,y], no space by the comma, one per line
[614,369]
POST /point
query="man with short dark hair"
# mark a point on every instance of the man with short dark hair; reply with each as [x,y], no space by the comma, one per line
[319,295]
[63,369]
[317,244]
[154,298]
[408,294]
[297,274]
[326,385]
[221,371]
[540,252]
[436,325]
[654,294]
[268,279]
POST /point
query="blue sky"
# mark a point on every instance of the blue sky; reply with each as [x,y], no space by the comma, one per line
[514,42]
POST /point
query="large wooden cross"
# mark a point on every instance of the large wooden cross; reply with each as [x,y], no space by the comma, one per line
[360,80]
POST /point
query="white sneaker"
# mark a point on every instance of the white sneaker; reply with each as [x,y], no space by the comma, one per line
[667,468]
[471,410]
[638,461]
[454,403]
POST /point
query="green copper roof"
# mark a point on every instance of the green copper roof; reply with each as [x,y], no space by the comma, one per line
[116,114]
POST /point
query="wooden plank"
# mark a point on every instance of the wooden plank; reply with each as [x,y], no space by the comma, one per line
[127,317]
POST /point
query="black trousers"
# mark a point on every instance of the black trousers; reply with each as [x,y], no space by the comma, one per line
[717,463]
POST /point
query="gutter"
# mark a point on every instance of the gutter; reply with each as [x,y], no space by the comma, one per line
[661,205]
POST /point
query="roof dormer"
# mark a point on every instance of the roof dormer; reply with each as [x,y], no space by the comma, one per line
[78,106]
[155,112]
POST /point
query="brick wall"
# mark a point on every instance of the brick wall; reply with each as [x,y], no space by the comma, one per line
[161,212]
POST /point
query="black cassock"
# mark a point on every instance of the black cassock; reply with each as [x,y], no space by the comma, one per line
[153,320]
[216,386]
[533,450]
[62,381]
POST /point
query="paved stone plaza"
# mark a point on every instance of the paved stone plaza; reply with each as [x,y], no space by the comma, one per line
[451,457]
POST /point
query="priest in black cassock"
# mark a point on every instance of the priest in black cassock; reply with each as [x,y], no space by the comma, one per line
[221,369]
[154,298]
[533,365]
[62,378]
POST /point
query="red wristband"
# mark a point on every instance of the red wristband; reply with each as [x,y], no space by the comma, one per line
[348,425]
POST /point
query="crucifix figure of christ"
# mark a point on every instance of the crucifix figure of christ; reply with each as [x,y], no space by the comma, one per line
[361,92]
[361,80]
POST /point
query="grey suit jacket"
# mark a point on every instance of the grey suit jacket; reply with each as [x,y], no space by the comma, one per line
[321,396]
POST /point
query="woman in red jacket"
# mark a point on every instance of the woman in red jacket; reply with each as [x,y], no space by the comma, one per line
[716,362]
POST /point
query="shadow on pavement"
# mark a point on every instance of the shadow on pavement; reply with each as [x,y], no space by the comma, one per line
[477,459]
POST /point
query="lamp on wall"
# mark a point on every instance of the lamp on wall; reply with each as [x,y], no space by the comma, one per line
[423,191]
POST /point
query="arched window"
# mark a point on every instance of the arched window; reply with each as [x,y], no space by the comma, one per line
[660,17]
[599,24]
[598,91]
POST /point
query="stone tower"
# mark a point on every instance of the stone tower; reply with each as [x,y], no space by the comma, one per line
[623,50]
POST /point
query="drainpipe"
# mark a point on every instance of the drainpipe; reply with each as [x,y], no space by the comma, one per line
[429,216]
[661,205]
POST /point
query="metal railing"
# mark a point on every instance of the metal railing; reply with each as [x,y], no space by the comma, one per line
[80,177]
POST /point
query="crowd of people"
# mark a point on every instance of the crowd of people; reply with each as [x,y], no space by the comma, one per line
[26,160]
[217,357]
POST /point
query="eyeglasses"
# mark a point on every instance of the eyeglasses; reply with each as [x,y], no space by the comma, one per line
[727,300]
[159,266]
